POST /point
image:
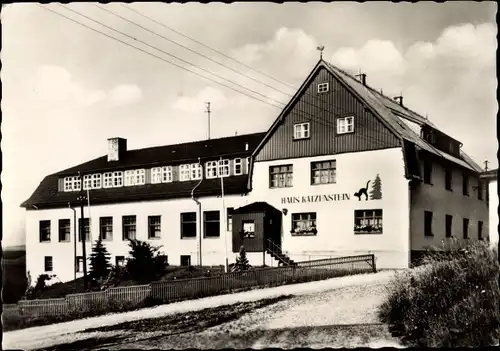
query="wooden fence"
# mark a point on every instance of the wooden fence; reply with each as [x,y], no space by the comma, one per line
[175,290]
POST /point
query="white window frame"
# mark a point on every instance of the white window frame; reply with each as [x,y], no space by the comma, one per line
[223,168]
[301,130]
[237,163]
[184,172]
[68,183]
[129,178]
[248,165]
[87,182]
[345,125]
[211,169]
[166,174]
[117,179]
[323,87]
[107,180]
[156,175]
[96,181]
[140,176]
[196,171]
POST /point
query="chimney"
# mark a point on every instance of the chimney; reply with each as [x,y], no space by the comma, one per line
[399,99]
[117,147]
[246,146]
[362,78]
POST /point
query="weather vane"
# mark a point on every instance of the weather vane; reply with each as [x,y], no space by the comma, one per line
[320,48]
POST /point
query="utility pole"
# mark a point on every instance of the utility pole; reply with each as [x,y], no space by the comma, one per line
[208,113]
[82,198]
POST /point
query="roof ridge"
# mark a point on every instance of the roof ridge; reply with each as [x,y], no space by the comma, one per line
[374,90]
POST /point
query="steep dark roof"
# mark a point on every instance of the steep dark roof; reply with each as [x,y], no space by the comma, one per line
[492,174]
[47,195]
[173,154]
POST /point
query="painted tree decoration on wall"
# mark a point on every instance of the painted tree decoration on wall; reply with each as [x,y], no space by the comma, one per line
[376,192]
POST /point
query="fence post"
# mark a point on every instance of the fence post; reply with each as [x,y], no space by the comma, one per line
[373,264]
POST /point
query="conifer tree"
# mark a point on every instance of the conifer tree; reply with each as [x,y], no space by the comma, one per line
[376,192]
[100,265]
[242,261]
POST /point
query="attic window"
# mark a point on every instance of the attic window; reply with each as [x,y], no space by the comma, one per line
[345,125]
[323,88]
[301,130]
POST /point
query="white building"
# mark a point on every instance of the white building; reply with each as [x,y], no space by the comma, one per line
[343,170]
[491,177]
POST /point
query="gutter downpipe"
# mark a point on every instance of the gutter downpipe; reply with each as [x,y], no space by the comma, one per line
[199,214]
[75,239]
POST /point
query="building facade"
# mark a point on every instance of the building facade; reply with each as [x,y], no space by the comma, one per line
[343,170]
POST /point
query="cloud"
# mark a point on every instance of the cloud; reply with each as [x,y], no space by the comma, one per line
[125,94]
[452,78]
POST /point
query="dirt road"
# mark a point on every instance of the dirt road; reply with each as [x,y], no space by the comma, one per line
[322,304]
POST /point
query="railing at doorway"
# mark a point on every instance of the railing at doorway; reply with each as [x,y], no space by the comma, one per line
[277,252]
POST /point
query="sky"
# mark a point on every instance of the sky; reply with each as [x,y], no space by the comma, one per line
[67,89]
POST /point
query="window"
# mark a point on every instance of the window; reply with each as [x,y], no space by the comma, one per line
[161,174]
[322,88]
[120,261]
[448,225]
[212,224]
[48,264]
[238,166]
[229,221]
[106,228]
[301,131]
[117,179]
[303,224]
[156,175]
[249,229]
[480,190]
[211,171]
[154,227]
[86,229]
[185,260]
[188,225]
[44,231]
[64,230]
[466,228]
[96,181]
[345,125]
[428,223]
[129,178]
[223,168]
[196,171]
[108,180]
[140,176]
[87,182]
[448,178]
[323,172]
[368,222]
[79,264]
[184,172]
[281,176]
[465,184]
[480,230]
[427,172]
[166,174]
[71,183]
[129,224]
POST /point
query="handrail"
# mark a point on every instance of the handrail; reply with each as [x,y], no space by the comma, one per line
[278,251]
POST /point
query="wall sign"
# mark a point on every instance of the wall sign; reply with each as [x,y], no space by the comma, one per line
[314,198]
[375,192]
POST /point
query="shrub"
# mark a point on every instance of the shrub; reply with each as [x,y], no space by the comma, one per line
[451,300]
[145,264]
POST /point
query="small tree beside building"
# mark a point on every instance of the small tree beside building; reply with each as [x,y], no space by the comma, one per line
[100,265]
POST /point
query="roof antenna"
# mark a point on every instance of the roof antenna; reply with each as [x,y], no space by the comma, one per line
[320,48]
[236,133]
[486,165]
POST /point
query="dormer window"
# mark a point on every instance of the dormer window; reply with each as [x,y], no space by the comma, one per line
[238,166]
[345,125]
[196,171]
[301,131]
[87,182]
[323,88]
[184,172]
[135,177]
[72,184]
[108,180]
[211,169]
[223,168]
[117,179]
[161,174]
[96,181]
